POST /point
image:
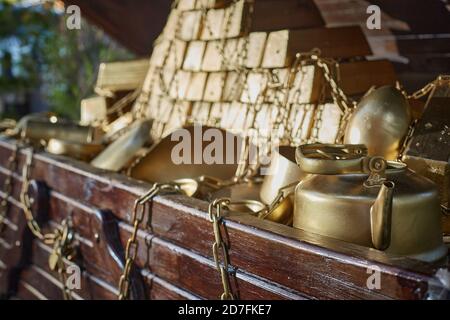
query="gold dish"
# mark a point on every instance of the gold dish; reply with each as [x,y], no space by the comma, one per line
[80,151]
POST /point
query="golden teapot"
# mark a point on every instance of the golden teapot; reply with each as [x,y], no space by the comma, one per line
[368,201]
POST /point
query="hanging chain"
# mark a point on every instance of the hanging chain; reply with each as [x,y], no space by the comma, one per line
[419,94]
[61,239]
[220,248]
[8,185]
[63,248]
[137,218]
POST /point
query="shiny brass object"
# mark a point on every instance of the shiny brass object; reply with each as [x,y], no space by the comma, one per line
[368,201]
[118,153]
[20,125]
[381,122]
[39,129]
[80,151]
[158,165]
[283,171]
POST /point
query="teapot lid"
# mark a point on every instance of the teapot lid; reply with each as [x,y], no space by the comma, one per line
[331,158]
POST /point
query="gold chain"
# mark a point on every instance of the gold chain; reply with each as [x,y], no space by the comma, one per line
[63,248]
[423,92]
[222,265]
[137,218]
[7,187]
[60,239]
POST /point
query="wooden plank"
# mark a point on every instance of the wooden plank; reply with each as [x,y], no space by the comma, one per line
[358,77]
[342,42]
[285,14]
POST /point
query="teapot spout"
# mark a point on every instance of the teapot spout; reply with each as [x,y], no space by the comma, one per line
[381,216]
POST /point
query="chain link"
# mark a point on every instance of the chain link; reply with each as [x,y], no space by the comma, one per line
[137,218]
[8,185]
[219,247]
[60,239]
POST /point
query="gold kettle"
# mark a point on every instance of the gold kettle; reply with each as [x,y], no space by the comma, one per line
[368,201]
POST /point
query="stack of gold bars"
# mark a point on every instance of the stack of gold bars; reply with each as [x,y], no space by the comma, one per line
[315,136]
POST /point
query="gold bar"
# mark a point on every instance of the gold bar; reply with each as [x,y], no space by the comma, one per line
[200,112]
[121,76]
[178,117]
[186,5]
[196,86]
[307,85]
[254,86]
[93,110]
[235,19]
[212,25]
[216,113]
[256,46]
[330,120]
[162,81]
[168,54]
[301,119]
[342,42]
[213,56]
[179,86]
[234,85]
[170,28]
[214,87]
[194,56]
[190,25]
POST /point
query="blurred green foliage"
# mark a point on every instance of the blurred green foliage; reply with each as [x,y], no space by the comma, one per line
[46,55]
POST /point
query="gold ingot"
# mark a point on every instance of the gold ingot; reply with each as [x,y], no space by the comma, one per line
[116,126]
[80,151]
[368,201]
[330,119]
[168,54]
[194,56]
[380,122]
[159,166]
[214,87]
[184,5]
[236,16]
[256,45]
[93,110]
[212,25]
[196,87]
[213,60]
[190,25]
[182,82]
[121,76]
[121,151]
